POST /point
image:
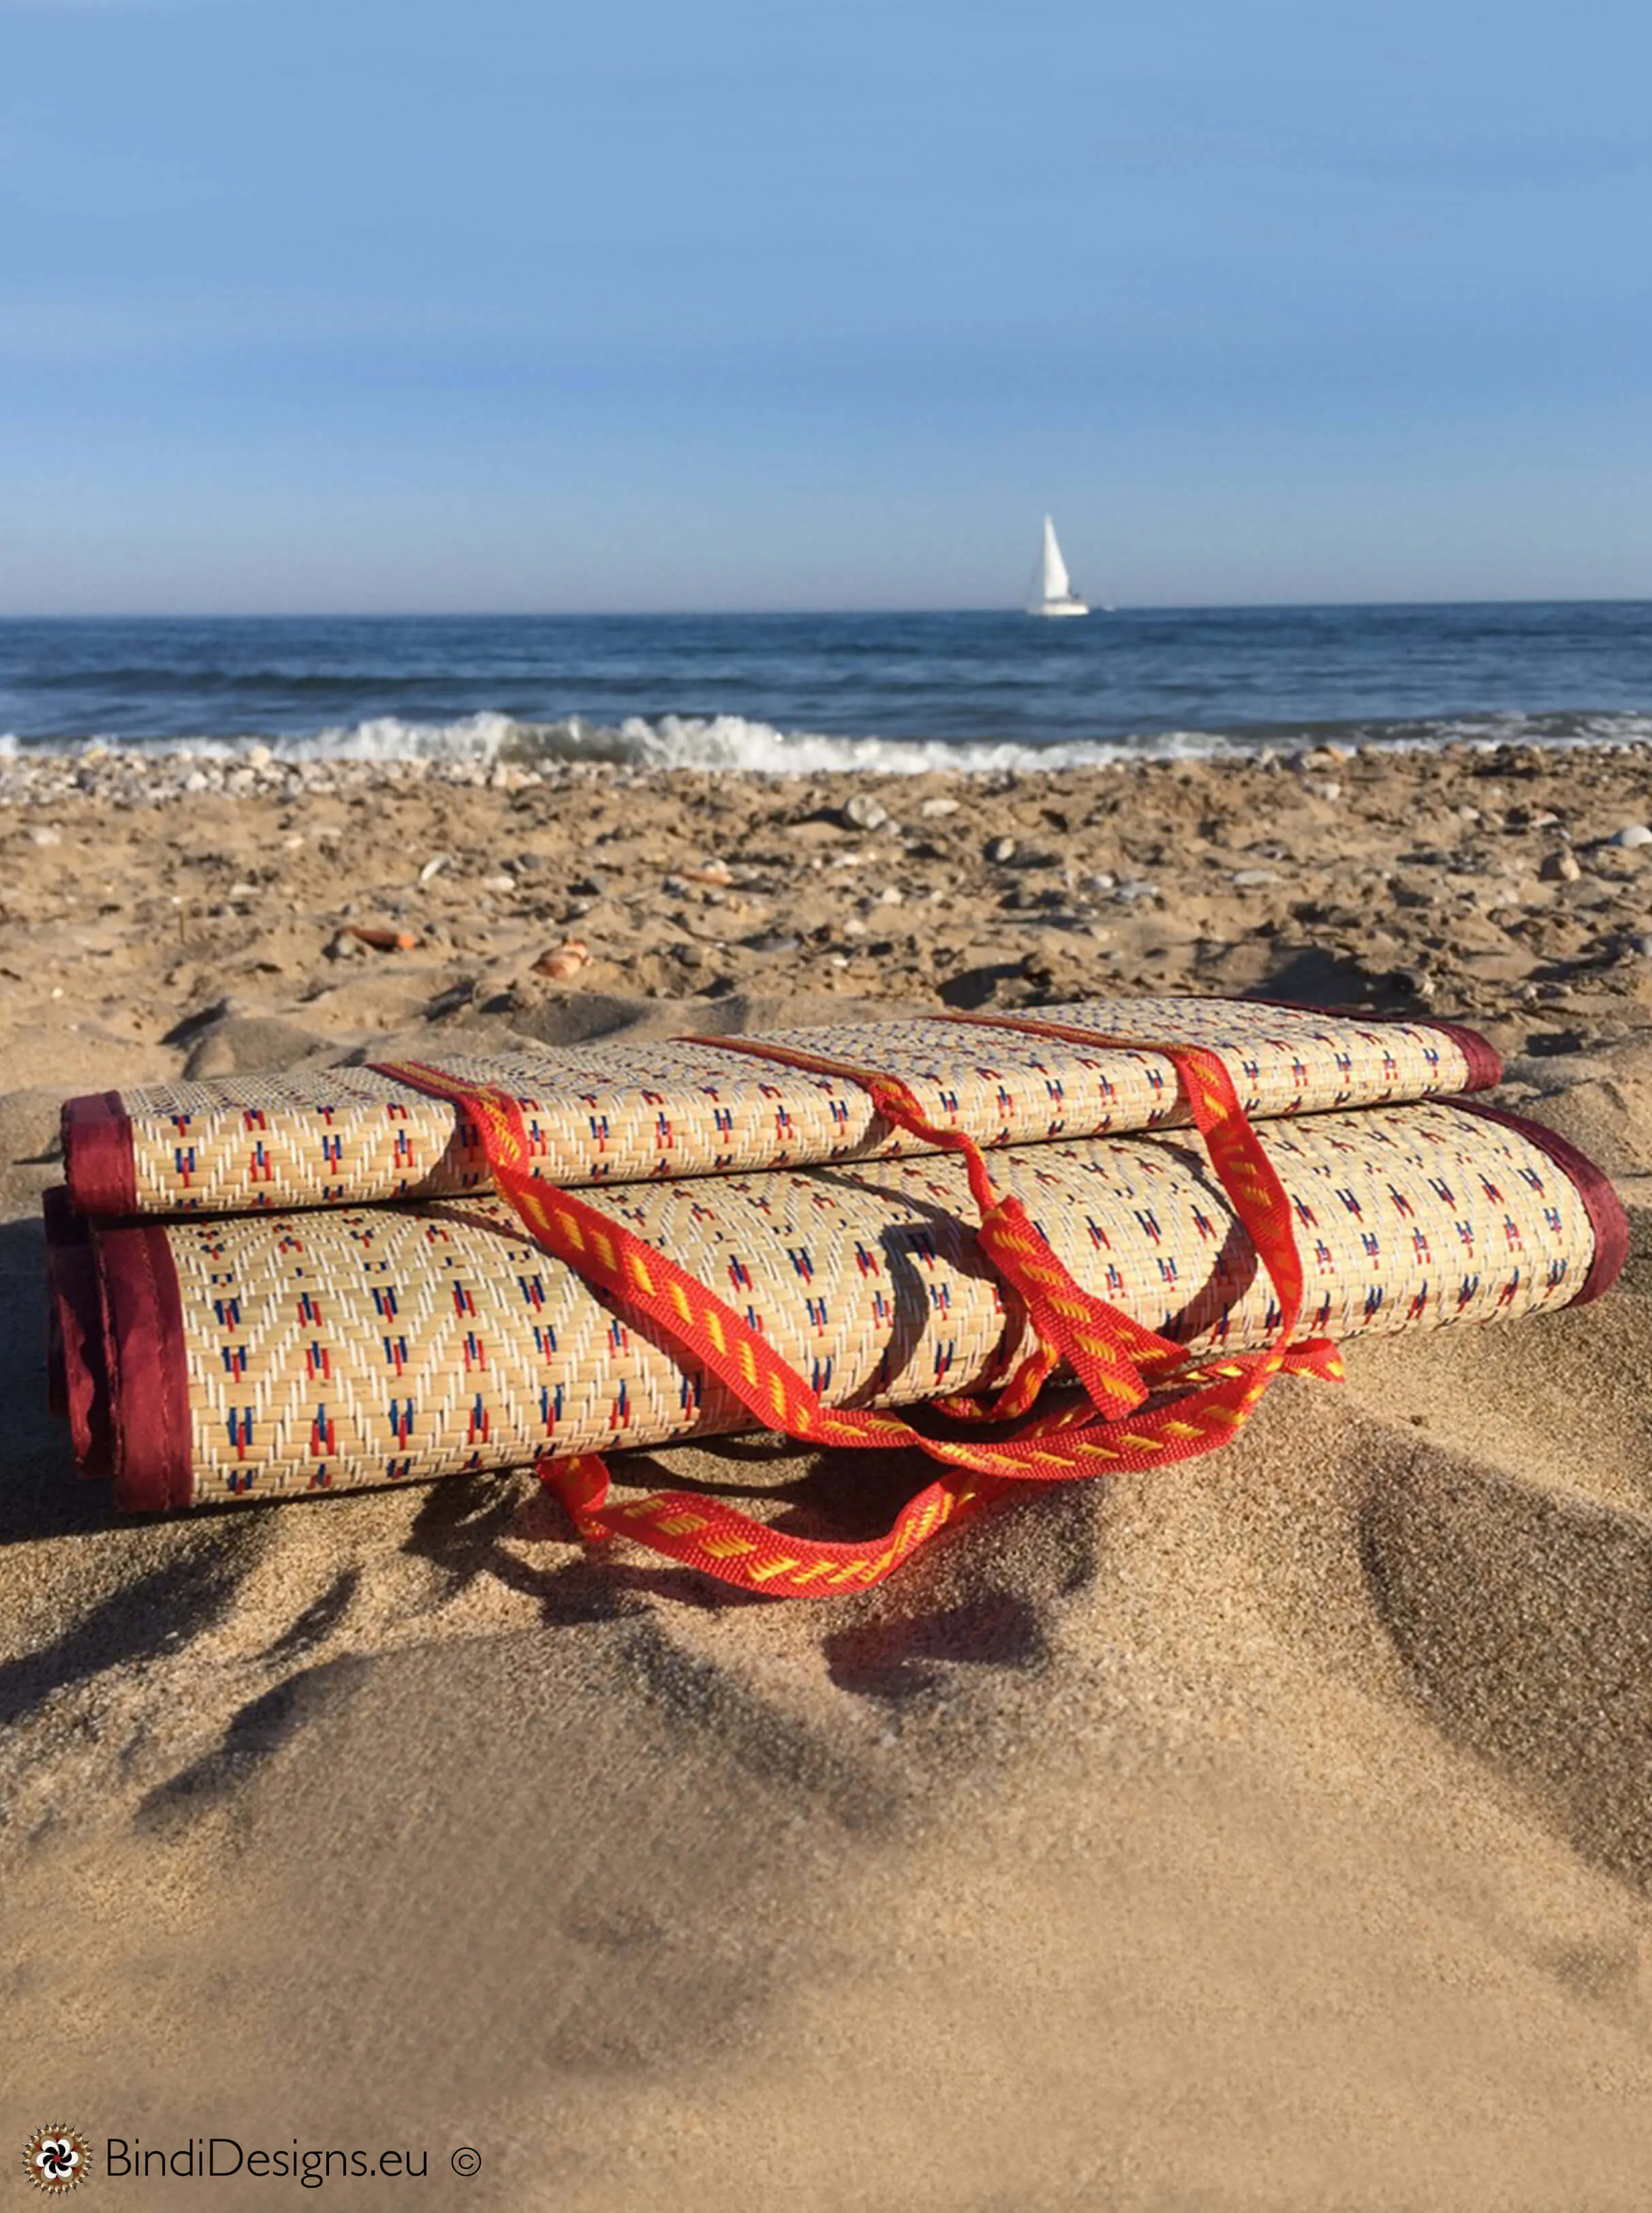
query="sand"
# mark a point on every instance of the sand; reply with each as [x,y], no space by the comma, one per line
[1274,1833]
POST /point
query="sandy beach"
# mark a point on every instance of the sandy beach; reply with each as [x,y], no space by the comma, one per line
[1275,1833]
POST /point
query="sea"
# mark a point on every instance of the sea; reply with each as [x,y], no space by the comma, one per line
[789,693]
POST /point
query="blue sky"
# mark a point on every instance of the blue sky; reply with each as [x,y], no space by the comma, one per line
[589,304]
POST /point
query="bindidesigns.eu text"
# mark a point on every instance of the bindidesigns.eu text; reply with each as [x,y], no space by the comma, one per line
[213,2158]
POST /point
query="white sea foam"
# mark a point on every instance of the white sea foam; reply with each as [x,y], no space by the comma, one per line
[482,738]
[719,742]
[732,743]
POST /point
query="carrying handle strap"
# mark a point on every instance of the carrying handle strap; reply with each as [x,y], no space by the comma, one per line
[1125,1362]
[1110,1354]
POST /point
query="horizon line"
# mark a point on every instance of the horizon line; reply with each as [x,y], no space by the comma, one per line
[782,614]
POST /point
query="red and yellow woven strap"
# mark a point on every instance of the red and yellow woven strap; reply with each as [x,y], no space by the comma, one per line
[1119,1363]
[1110,1354]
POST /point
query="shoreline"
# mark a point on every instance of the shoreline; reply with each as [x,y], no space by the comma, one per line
[471,744]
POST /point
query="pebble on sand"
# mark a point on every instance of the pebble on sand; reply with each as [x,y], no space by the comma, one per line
[862,812]
[562,961]
[381,941]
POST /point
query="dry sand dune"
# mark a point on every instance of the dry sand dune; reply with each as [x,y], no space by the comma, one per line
[1277,1833]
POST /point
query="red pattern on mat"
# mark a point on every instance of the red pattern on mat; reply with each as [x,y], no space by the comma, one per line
[1600,1202]
[1484,1061]
[1123,1367]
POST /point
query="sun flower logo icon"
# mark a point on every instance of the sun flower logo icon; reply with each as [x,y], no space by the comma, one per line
[57,2160]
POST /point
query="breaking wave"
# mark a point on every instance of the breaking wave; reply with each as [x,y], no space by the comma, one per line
[732,743]
[719,742]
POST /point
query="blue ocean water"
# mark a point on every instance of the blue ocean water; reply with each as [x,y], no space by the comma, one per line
[804,691]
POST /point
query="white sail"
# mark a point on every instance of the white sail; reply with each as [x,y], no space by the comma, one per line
[1057,584]
[1059,597]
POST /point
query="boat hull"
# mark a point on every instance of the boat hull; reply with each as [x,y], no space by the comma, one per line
[1054,609]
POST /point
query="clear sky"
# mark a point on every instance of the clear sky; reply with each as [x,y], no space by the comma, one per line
[588,304]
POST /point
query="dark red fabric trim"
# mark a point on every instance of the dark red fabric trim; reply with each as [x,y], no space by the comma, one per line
[76,1353]
[1601,1202]
[148,1377]
[86,1365]
[97,1151]
[61,1229]
[1484,1061]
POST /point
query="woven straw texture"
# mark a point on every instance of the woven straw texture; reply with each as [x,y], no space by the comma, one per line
[331,1350]
[344,1137]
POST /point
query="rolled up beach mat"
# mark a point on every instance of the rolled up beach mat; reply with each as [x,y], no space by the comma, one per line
[619,1113]
[1172,1275]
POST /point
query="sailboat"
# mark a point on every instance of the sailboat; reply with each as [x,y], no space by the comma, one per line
[1059,598]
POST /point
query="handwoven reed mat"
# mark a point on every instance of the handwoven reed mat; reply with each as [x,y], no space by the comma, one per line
[341,1137]
[262,1355]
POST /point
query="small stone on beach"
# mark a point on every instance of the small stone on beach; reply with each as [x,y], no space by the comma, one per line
[862,812]
[380,939]
[564,960]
